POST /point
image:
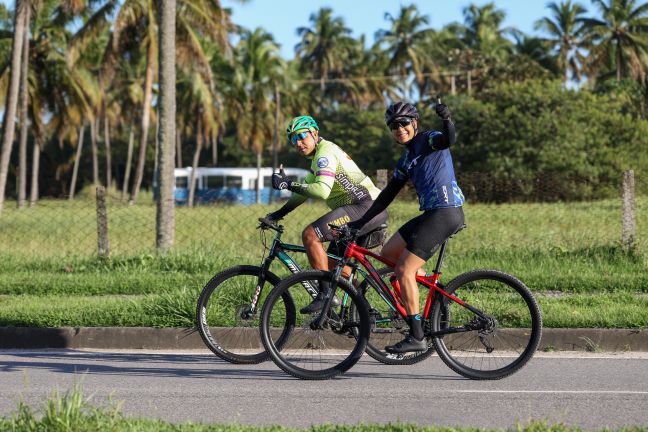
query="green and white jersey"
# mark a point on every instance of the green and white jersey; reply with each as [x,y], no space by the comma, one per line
[334,177]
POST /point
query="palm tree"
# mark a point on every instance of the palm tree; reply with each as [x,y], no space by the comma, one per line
[259,67]
[21,180]
[69,91]
[136,19]
[196,98]
[20,24]
[565,30]
[618,38]
[324,46]
[406,43]
[484,32]
[165,214]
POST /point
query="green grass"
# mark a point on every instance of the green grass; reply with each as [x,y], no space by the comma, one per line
[177,309]
[50,274]
[74,412]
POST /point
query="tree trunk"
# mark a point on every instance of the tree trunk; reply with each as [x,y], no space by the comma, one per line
[12,95]
[619,59]
[214,148]
[94,126]
[257,184]
[33,196]
[77,159]
[178,149]
[165,221]
[275,141]
[156,190]
[129,161]
[146,119]
[21,182]
[194,164]
[108,153]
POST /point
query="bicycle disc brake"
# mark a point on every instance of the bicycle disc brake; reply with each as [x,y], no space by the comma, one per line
[487,332]
[245,313]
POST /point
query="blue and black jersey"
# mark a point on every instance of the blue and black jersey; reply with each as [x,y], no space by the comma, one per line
[427,162]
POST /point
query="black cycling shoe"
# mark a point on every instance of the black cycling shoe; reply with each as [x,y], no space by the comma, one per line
[318,303]
[409,344]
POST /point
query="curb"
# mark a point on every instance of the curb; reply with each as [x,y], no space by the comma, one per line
[582,339]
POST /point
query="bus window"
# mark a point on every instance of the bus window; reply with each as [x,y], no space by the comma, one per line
[213,182]
[233,182]
[182,182]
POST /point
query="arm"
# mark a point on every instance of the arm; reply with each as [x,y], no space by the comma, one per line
[319,188]
[319,184]
[382,201]
[443,140]
[294,202]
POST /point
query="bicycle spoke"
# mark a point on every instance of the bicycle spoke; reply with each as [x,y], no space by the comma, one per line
[308,353]
[494,347]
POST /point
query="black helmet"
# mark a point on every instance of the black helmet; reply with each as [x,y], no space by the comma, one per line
[400,111]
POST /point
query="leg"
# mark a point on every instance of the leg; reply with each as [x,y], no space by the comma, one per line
[393,250]
[314,249]
[406,269]
[423,234]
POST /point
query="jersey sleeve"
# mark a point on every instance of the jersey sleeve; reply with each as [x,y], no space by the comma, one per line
[442,140]
[319,184]
[400,173]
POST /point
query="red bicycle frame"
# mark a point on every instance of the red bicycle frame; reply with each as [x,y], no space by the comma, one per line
[431,281]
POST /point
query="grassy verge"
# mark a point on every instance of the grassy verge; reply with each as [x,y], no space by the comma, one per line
[177,309]
[50,276]
[73,412]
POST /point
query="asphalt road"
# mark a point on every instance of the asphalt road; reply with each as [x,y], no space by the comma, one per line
[589,390]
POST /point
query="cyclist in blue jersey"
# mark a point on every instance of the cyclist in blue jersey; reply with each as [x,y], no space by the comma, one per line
[427,163]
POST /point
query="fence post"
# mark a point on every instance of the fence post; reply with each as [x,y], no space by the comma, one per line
[103,245]
[629,221]
[381,178]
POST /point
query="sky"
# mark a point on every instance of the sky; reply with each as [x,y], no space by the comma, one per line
[283,17]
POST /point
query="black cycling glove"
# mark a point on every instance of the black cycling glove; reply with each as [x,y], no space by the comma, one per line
[280,180]
[442,111]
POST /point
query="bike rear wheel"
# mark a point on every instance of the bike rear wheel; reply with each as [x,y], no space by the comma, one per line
[494,346]
[314,353]
[387,325]
[224,317]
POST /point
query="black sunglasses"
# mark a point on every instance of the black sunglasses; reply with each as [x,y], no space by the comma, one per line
[399,124]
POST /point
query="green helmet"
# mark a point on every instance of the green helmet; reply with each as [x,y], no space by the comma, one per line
[301,123]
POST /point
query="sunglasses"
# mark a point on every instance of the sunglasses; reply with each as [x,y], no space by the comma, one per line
[399,124]
[298,137]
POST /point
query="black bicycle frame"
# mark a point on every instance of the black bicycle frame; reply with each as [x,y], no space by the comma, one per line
[279,249]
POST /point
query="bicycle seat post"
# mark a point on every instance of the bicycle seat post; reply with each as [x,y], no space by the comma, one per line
[439,263]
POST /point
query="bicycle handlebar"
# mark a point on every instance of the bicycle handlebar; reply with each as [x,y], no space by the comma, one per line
[345,233]
[265,223]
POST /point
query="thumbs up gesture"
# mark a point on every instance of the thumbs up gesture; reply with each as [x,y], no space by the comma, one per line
[280,180]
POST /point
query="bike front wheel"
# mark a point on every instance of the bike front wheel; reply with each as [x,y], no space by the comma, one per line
[227,316]
[496,343]
[314,352]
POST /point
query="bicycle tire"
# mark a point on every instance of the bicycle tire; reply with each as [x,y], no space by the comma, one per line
[387,326]
[506,341]
[219,319]
[314,354]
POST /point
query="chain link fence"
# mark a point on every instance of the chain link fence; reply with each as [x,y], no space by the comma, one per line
[533,213]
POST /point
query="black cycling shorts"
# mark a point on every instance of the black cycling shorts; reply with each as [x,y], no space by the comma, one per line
[343,215]
[425,233]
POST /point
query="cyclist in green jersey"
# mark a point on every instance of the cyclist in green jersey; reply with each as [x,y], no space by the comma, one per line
[335,178]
